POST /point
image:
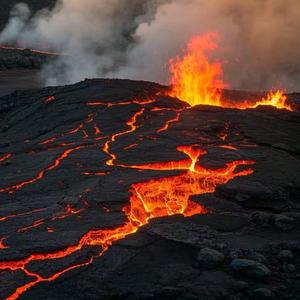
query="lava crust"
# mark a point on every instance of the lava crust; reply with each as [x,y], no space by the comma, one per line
[111,190]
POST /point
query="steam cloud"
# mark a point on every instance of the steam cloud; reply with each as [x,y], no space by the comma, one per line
[259,46]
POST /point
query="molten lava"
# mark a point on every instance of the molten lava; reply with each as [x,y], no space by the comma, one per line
[196,80]
[193,78]
[277,99]
[154,198]
[151,199]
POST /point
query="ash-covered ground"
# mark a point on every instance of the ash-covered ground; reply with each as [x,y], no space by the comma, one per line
[57,184]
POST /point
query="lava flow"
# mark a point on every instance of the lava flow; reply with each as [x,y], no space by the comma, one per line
[151,199]
[195,80]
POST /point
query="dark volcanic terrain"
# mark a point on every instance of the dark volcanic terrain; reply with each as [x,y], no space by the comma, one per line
[72,157]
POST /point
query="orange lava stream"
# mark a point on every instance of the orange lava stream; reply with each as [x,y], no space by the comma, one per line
[2,245]
[5,157]
[151,199]
[2,219]
[229,147]
[195,80]
[132,127]
[50,99]
[97,130]
[169,122]
[110,104]
[41,174]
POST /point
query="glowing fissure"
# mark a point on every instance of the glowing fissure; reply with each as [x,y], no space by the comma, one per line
[132,127]
[169,122]
[42,173]
[116,103]
[151,199]
[2,245]
[5,157]
[196,80]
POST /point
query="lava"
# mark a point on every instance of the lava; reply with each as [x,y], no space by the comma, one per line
[21,214]
[42,173]
[151,199]
[193,78]
[5,157]
[154,198]
[277,99]
[2,245]
[196,80]
[169,122]
[50,99]
[229,147]
[116,103]
[132,127]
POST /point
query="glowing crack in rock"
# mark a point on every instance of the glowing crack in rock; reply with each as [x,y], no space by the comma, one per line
[151,199]
[165,196]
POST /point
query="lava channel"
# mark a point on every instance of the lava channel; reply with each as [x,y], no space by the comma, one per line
[151,199]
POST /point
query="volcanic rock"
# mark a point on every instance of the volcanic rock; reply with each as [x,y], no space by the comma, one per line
[77,161]
[250,268]
[262,294]
[283,222]
[210,258]
[14,58]
[240,286]
[285,255]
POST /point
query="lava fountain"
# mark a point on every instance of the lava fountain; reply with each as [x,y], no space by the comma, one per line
[196,80]
[193,78]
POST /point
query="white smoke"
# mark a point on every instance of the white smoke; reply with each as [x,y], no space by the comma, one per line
[260,45]
[19,17]
[95,35]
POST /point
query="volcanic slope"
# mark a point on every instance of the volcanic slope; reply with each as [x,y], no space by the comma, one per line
[110,190]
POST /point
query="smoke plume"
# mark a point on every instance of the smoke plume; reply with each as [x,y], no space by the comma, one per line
[259,46]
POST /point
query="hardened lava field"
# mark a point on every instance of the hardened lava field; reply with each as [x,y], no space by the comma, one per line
[111,189]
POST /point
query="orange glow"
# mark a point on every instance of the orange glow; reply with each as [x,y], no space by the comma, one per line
[130,146]
[50,230]
[193,78]
[196,80]
[169,122]
[2,219]
[229,147]
[97,130]
[48,141]
[35,224]
[50,99]
[150,199]
[41,174]
[160,197]
[94,173]
[132,127]
[5,157]
[110,104]
[2,245]
[277,99]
